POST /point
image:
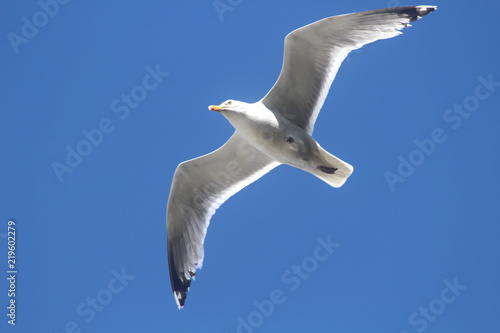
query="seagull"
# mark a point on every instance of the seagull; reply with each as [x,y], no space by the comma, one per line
[275,130]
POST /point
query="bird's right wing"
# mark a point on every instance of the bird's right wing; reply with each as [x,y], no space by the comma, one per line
[313,55]
[199,187]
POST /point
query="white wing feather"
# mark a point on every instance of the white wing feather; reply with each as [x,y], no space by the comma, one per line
[199,187]
[313,55]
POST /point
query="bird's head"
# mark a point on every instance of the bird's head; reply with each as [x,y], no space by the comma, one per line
[229,106]
[236,112]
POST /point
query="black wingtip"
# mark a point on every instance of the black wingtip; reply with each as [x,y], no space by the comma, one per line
[180,298]
[416,12]
[180,284]
[180,287]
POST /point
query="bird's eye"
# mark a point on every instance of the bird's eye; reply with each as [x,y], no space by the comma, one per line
[289,139]
[229,102]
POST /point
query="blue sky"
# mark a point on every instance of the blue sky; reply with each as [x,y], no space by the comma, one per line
[414,233]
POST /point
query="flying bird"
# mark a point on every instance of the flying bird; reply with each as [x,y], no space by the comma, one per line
[275,130]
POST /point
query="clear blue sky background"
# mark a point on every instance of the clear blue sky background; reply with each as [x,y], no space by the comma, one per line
[400,244]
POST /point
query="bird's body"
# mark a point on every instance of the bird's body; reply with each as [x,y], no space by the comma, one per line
[275,130]
[283,141]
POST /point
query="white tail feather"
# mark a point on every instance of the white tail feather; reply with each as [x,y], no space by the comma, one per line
[332,170]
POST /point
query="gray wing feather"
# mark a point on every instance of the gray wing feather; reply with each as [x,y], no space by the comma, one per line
[313,55]
[199,187]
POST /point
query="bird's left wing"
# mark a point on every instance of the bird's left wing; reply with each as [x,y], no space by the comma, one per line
[313,55]
[199,187]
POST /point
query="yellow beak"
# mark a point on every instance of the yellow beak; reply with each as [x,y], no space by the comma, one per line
[215,108]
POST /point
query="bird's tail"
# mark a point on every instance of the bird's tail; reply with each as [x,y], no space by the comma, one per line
[331,169]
